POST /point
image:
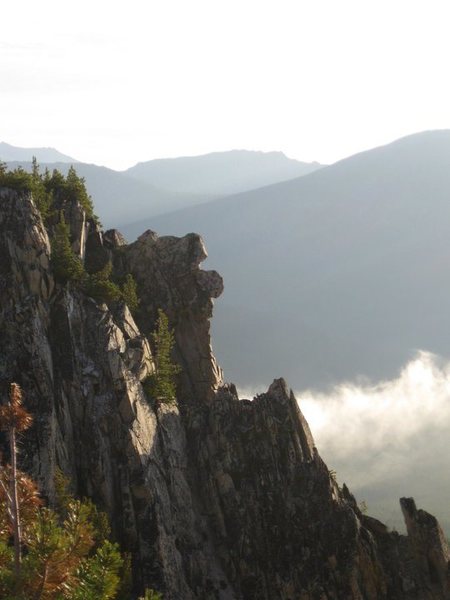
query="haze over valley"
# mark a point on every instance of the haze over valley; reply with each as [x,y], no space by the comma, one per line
[338,280]
[160,186]
[225,300]
[335,278]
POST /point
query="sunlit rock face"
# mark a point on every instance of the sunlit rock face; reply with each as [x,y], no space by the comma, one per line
[214,497]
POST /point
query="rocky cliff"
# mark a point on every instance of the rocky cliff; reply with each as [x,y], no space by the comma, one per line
[214,497]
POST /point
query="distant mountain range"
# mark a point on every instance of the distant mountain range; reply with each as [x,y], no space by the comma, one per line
[10,153]
[330,275]
[164,185]
[119,198]
[221,173]
[339,273]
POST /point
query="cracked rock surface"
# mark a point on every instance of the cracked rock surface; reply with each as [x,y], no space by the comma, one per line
[214,497]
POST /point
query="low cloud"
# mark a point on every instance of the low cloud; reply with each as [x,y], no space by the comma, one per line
[389,439]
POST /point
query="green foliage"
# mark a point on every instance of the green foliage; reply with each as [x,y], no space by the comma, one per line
[101,288]
[162,385]
[75,189]
[64,499]
[98,576]
[18,179]
[151,595]
[42,197]
[67,266]
[63,552]
[129,293]
[47,188]
[126,579]
[61,559]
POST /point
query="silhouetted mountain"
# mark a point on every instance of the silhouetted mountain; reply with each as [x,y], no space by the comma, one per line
[220,173]
[10,153]
[163,186]
[339,273]
[119,198]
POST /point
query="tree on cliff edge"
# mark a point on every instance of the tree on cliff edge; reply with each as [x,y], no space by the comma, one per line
[56,555]
[162,385]
[66,264]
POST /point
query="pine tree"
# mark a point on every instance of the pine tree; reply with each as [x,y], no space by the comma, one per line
[65,553]
[75,187]
[162,385]
[14,419]
[42,198]
[129,293]
[66,264]
[101,288]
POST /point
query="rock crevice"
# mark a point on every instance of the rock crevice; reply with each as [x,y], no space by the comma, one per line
[214,497]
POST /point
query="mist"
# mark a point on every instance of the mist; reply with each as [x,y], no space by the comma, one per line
[389,439]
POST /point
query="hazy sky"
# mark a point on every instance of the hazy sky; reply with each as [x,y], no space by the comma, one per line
[118,82]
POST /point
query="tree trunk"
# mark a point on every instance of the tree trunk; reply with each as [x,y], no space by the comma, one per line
[15,503]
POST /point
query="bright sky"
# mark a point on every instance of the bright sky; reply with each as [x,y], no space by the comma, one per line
[115,83]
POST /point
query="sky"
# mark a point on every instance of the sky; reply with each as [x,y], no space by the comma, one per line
[114,83]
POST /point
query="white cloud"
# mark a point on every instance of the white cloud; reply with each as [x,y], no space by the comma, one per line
[388,439]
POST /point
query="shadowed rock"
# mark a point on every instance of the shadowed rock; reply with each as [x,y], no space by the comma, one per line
[214,497]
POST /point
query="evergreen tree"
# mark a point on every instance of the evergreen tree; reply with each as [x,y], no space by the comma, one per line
[65,554]
[14,420]
[129,293]
[75,187]
[101,288]
[162,385]
[42,198]
[66,264]
[18,179]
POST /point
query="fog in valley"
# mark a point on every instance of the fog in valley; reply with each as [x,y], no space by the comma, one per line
[337,280]
[387,439]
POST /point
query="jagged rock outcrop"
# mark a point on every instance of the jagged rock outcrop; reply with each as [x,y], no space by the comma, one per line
[168,276]
[429,547]
[214,497]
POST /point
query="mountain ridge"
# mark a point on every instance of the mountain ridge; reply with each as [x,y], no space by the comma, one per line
[121,196]
[213,497]
[10,153]
[384,201]
[224,171]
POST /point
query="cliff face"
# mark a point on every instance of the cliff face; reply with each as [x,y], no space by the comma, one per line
[215,497]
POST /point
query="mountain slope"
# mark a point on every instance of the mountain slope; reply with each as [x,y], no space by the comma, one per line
[119,198]
[163,186]
[212,497]
[340,273]
[10,153]
[220,173]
